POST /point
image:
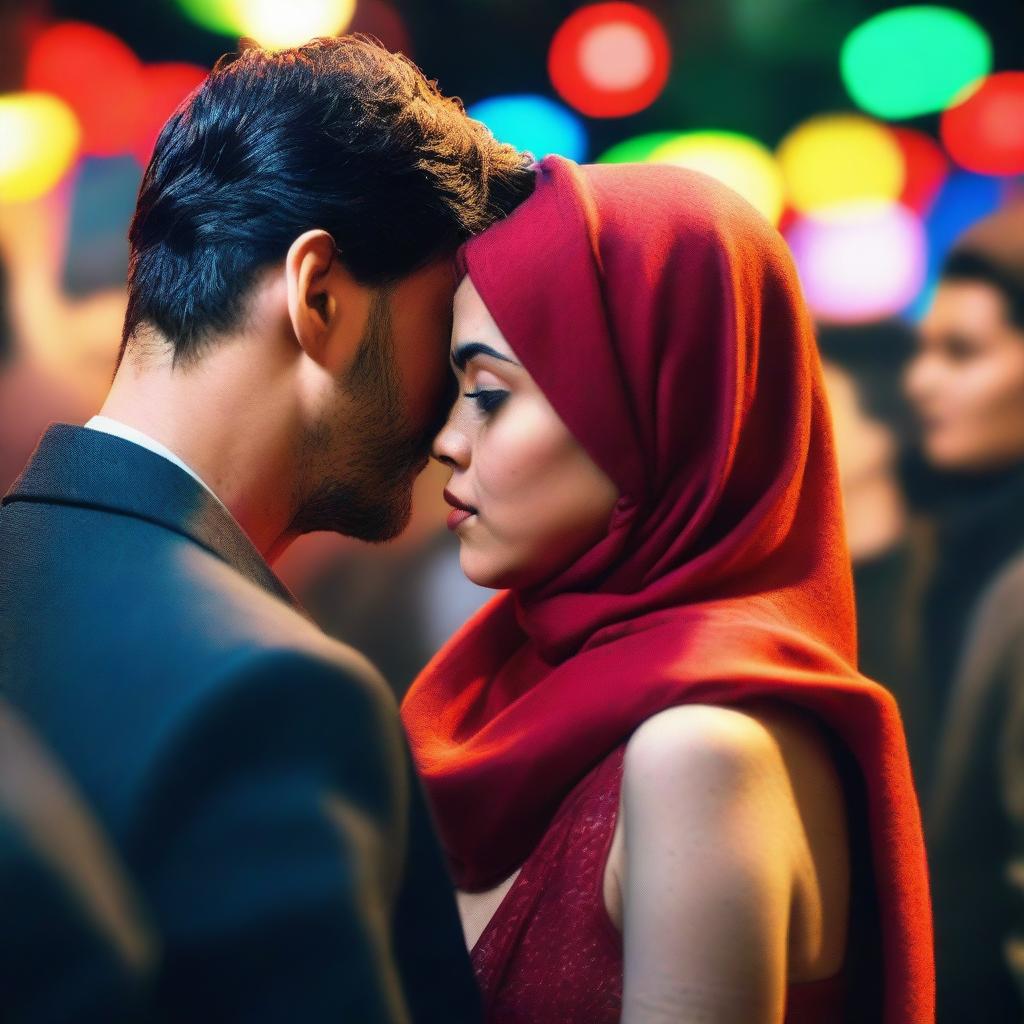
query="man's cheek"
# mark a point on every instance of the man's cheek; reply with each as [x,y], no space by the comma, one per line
[429,387]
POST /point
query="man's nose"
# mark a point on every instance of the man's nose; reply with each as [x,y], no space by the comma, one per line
[918,380]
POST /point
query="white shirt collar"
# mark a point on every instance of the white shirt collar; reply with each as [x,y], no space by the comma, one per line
[107,425]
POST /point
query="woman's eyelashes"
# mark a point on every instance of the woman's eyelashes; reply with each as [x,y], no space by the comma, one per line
[487,399]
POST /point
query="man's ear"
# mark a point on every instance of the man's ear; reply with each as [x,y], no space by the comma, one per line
[327,307]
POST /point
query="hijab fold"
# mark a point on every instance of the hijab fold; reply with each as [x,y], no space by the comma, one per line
[662,318]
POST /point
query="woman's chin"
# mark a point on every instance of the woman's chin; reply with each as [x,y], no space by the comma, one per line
[482,578]
[485,572]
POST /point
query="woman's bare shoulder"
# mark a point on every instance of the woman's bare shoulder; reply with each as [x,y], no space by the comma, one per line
[704,759]
[714,742]
[733,826]
[719,742]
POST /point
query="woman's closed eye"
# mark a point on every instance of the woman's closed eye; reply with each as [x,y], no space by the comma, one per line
[487,399]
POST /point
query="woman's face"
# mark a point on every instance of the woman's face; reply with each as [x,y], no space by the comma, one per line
[527,499]
[967,380]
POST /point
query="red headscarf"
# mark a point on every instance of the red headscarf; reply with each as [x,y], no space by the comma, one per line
[662,318]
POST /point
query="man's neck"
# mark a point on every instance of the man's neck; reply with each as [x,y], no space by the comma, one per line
[211,420]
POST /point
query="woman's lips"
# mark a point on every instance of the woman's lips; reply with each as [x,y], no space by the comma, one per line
[457,517]
[460,511]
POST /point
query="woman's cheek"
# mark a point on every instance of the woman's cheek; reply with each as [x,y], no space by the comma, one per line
[517,461]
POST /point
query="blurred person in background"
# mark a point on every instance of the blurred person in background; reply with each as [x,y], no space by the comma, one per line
[874,430]
[966,382]
[52,362]
[283,370]
[57,350]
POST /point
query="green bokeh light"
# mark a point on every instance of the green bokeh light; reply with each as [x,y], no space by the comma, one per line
[220,16]
[913,60]
[637,150]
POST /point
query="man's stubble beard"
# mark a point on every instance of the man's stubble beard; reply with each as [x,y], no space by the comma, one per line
[365,493]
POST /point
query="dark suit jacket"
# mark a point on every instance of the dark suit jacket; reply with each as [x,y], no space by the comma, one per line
[251,771]
[74,943]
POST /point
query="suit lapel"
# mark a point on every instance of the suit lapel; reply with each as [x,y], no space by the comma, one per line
[77,466]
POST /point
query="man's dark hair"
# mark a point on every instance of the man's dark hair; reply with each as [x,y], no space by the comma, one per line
[970,265]
[338,134]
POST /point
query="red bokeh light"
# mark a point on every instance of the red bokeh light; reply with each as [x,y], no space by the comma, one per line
[380,19]
[164,87]
[926,167]
[787,219]
[610,59]
[98,76]
[985,133]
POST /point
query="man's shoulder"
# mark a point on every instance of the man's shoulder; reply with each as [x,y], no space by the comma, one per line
[130,598]
[234,617]
[131,638]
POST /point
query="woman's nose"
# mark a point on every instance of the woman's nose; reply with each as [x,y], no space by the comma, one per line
[451,447]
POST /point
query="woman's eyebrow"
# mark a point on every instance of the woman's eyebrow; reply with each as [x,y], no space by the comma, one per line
[471,349]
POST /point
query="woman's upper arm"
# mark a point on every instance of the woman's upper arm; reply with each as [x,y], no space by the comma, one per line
[709,820]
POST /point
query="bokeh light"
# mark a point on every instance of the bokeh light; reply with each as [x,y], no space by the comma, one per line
[610,59]
[636,150]
[216,15]
[869,262]
[963,199]
[164,87]
[39,137]
[985,132]
[913,60]
[277,25]
[379,19]
[272,23]
[533,123]
[98,76]
[840,158]
[926,167]
[738,161]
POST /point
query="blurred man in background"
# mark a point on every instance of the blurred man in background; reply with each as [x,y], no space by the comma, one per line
[966,383]
[863,366]
[49,364]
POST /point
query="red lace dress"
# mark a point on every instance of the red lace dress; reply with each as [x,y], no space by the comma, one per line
[551,955]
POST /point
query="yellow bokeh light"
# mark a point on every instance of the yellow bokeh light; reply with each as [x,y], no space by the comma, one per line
[39,137]
[736,160]
[280,23]
[840,158]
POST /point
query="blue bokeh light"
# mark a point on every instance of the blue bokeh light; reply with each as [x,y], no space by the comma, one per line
[963,199]
[533,123]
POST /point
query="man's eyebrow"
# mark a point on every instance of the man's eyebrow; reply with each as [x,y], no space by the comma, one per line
[462,355]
